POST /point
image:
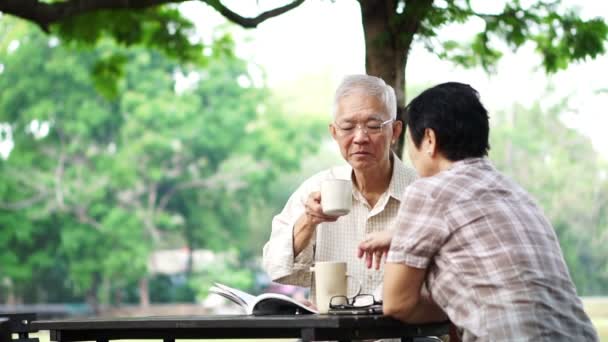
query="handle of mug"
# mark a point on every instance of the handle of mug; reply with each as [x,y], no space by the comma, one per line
[359,286]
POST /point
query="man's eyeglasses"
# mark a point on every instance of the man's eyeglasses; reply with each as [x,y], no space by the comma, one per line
[356,302]
[371,127]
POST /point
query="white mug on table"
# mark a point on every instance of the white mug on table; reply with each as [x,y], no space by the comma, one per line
[331,280]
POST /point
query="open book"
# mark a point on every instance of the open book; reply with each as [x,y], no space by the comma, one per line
[264,304]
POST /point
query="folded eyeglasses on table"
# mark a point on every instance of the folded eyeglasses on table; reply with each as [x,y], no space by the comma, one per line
[359,304]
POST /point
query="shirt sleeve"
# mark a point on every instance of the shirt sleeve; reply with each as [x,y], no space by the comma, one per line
[277,257]
[420,231]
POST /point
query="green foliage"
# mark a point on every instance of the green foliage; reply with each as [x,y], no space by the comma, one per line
[560,38]
[559,167]
[115,178]
[106,72]
[162,27]
[559,35]
[165,289]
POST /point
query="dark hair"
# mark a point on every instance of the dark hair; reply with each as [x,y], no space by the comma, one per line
[454,112]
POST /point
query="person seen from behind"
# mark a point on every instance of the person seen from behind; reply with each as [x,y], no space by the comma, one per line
[479,243]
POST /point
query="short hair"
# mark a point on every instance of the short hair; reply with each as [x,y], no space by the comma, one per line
[456,115]
[370,85]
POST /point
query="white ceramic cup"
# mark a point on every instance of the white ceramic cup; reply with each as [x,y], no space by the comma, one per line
[336,196]
[330,280]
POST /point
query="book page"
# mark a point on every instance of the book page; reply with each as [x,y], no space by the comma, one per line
[228,295]
[242,297]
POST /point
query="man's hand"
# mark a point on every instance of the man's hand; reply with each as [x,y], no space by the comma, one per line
[375,247]
[314,212]
[307,223]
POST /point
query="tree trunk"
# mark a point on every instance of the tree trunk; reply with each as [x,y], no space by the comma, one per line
[388,37]
[189,233]
[10,298]
[144,293]
[92,296]
[118,297]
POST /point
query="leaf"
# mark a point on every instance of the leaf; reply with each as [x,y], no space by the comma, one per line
[107,72]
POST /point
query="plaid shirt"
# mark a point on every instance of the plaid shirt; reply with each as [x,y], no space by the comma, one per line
[494,262]
[333,241]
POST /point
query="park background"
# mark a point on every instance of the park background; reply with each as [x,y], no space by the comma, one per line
[140,186]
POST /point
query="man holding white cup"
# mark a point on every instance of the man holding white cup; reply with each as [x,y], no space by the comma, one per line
[364,126]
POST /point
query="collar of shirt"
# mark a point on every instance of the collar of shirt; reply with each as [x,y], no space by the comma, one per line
[477,163]
[400,178]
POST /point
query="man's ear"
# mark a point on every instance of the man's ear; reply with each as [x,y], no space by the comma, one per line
[332,131]
[430,142]
[397,130]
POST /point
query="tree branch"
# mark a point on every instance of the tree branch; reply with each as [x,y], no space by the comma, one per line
[198,183]
[46,13]
[59,170]
[251,22]
[216,181]
[83,217]
[26,203]
[415,12]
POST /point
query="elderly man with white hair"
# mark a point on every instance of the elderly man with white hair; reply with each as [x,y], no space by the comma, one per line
[364,127]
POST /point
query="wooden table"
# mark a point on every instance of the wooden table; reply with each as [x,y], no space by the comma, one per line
[306,327]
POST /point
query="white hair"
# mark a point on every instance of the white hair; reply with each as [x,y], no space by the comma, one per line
[371,86]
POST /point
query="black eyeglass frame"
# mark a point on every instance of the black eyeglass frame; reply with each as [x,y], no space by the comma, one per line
[350,302]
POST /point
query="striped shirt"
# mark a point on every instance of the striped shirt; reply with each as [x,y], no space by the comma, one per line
[494,262]
[333,241]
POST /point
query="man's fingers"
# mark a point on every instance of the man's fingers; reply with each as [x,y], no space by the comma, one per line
[321,216]
[368,259]
[330,218]
[315,196]
[360,252]
[313,209]
[378,259]
[374,249]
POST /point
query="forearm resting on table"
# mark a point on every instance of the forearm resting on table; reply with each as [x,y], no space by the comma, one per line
[424,311]
[402,298]
[303,231]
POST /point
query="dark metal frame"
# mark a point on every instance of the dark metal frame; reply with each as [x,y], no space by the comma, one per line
[17,323]
[306,327]
[5,331]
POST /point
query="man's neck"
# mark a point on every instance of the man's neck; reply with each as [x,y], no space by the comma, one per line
[374,181]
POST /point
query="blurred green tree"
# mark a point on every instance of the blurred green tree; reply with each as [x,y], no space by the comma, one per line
[566,176]
[390,28]
[55,180]
[94,184]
